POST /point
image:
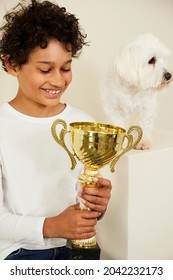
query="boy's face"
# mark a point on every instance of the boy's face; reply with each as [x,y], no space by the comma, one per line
[43,80]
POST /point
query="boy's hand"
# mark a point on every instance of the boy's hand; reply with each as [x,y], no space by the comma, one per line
[72,223]
[97,198]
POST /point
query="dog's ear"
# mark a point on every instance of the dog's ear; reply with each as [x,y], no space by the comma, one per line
[125,66]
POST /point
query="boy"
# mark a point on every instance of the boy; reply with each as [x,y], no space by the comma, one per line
[38,209]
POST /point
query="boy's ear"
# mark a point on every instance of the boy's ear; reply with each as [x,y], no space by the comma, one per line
[11,66]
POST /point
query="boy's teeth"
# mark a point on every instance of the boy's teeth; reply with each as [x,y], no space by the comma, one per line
[53,91]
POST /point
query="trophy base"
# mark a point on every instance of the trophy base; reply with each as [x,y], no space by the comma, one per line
[92,253]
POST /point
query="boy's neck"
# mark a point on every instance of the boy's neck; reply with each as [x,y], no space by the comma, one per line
[38,111]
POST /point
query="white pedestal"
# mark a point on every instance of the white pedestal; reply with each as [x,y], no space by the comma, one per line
[139,220]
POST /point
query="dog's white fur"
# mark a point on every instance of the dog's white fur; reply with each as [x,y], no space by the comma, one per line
[129,91]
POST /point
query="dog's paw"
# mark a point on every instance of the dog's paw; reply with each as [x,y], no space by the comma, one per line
[143,145]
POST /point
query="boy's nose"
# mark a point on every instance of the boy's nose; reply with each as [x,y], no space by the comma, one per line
[57,80]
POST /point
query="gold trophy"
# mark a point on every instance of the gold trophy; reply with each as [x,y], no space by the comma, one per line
[95,145]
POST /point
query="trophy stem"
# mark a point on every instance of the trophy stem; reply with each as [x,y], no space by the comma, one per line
[86,181]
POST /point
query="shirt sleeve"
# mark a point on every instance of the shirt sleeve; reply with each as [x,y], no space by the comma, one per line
[18,227]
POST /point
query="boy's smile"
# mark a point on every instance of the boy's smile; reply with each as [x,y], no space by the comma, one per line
[43,80]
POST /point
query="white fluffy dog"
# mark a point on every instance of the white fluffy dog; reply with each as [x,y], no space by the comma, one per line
[129,91]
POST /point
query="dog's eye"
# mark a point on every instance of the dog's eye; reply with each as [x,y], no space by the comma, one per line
[152,60]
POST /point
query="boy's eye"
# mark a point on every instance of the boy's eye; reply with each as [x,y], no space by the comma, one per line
[44,71]
[66,69]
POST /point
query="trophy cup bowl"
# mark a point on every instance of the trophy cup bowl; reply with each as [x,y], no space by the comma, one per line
[95,145]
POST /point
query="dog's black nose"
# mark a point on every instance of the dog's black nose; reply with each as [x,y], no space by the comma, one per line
[167,76]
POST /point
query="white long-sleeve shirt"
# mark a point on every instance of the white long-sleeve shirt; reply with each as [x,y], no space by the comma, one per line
[36,178]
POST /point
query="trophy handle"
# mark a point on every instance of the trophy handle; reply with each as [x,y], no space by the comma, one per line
[60,140]
[130,144]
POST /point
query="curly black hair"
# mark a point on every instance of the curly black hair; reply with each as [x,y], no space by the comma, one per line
[28,26]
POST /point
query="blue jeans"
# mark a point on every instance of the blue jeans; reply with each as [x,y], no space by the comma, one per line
[60,253]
